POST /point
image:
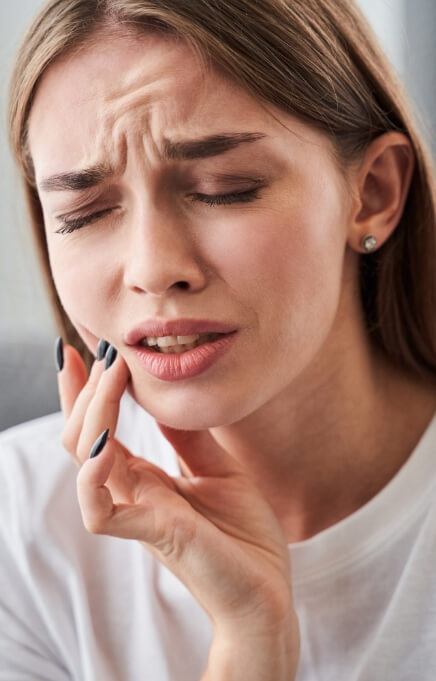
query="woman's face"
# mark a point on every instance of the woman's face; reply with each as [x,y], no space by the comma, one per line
[271,263]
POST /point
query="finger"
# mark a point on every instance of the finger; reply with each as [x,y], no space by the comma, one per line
[69,384]
[130,521]
[201,453]
[71,378]
[194,549]
[95,500]
[72,373]
[103,408]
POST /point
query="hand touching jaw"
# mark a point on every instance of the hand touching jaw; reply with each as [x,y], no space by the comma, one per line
[212,529]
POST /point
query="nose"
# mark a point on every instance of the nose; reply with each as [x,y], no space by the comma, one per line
[162,255]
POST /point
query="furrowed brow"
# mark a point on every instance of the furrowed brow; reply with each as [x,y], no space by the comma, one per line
[184,150]
[77,180]
[187,150]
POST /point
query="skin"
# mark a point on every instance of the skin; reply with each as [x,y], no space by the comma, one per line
[302,401]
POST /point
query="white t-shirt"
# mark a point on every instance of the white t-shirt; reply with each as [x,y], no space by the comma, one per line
[84,607]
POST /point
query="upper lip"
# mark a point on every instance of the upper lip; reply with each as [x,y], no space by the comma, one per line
[175,327]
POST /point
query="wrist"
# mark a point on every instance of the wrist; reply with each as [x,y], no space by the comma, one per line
[257,653]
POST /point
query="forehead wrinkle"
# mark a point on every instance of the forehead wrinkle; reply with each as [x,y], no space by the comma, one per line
[146,75]
[114,130]
[160,88]
[138,105]
[131,96]
[107,149]
[136,79]
[130,132]
[136,94]
[141,117]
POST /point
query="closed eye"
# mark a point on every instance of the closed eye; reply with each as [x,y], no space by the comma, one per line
[223,199]
[70,224]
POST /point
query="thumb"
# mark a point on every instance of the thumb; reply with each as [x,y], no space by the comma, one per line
[201,453]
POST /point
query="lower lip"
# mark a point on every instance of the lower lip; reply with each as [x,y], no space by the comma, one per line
[178,366]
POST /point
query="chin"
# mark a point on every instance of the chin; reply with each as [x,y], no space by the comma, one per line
[172,413]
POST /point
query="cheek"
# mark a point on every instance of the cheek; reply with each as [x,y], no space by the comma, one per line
[292,280]
[284,267]
[83,280]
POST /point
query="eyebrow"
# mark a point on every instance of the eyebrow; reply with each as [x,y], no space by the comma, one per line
[184,150]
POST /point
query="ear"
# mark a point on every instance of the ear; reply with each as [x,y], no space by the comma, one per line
[381,185]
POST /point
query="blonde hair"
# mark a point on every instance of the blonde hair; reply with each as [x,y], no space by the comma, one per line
[315,59]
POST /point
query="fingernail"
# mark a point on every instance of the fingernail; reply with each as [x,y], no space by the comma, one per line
[101,349]
[111,356]
[99,443]
[59,353]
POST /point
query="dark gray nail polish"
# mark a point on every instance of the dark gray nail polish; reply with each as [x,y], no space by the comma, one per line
[101,349]
[111,356]
[59,353]
[99,443]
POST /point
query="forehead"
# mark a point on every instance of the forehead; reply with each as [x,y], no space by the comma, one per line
[92,106]
[151,86]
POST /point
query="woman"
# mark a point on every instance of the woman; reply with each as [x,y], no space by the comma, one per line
[251,171]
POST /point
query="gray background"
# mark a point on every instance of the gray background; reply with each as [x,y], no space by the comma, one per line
[406,29]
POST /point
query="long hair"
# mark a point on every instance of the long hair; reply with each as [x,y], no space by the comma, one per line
[318,60]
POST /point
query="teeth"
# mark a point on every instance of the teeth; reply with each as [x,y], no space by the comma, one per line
[166,341]
[178,348]
[177,343]
[183,340]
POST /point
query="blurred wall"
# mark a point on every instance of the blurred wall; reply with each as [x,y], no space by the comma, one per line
[24,311]
[27,381]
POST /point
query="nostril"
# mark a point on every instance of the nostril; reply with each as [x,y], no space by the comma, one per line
[183,285]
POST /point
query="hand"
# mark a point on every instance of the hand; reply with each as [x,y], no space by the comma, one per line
[213,529]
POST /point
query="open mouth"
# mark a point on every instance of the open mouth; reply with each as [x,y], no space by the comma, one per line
[171,345]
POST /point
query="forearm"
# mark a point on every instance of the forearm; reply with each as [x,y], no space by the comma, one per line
[255,656]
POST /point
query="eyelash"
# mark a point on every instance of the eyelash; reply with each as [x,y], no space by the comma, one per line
[72,224]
